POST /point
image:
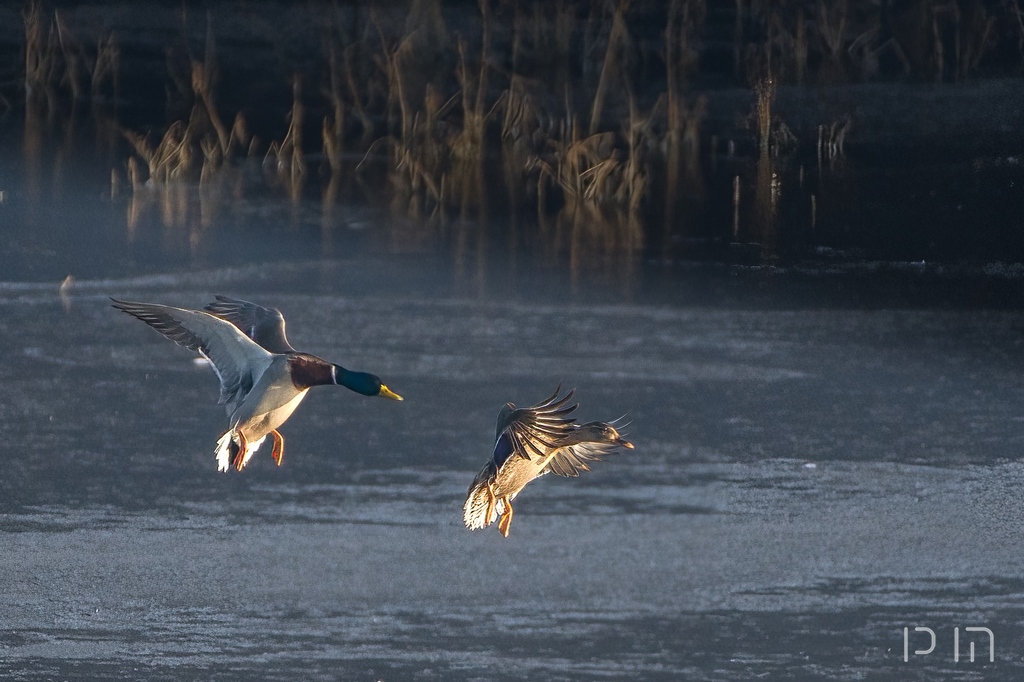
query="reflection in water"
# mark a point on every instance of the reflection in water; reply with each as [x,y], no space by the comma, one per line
[593,238]
[487,124]
[33,147]
[685,187]
[541,185]
[65,292]
[736,209]
[603,228]
[183,211]
[766,202]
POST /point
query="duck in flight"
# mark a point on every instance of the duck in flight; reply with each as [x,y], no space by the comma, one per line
[262,378]
[531,442]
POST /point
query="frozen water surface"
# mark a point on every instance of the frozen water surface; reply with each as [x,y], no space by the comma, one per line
[827,442]
[808,481]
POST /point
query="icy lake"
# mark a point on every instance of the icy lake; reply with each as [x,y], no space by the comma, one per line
[812,475]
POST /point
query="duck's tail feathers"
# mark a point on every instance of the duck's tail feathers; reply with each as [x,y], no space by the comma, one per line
[227,448]
[474,512]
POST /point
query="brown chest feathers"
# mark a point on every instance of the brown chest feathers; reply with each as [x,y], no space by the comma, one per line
[308,370]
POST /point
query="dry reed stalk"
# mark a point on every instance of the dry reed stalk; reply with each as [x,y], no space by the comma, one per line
[520,134]
[821,148]
[107,66]
[682,122]
[144,151]
[562,29]
[292,143]
[737,41]
[938,51]
[682,26]
[592,171]
[73,56]
[688,149]
[212,158]
[180,77]
[800,47]
[54,59]
[692,117]
[485,51]
[39,52]
[599,182]
[975,38]
[415,153]
[564,25]
[203,86]
[1013,7]
[633,182]
[173,156]
[673,163]
[591,27]
[831,140]
[469,142]
[518,28]
[354,93]
[865,50]
[183,143]
[765,98]
[832,18]
[408,173]
[735,208]
[474,115]
[240,135]
[466,147]
[332,144]
[392,64]
[617,37]
[333,130]
[672,76]
[521,116]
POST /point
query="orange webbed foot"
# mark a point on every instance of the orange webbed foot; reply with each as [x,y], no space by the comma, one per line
[243,445]
[278,452]
[492,501]
[506,519]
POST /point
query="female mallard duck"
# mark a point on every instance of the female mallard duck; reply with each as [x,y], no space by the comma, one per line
[262,378]
[531,442]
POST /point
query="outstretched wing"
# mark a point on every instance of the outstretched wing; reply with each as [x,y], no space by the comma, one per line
[238,361]
[529,431]
[571,460]
[585,443]
[265,326]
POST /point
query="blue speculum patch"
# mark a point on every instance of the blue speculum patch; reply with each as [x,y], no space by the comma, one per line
[502,450]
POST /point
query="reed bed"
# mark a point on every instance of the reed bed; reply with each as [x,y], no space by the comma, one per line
[575,110]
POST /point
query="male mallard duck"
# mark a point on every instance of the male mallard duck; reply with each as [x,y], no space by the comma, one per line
[262,378]
[531,442]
